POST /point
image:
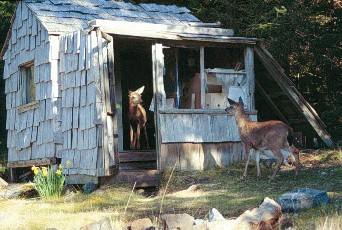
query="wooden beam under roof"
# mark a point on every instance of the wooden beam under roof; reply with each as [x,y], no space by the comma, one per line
[292,93]
[150,28]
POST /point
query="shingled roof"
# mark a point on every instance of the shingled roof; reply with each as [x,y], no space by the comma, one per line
[63,16]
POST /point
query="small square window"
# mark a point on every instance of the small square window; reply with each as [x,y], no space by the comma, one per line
[27,85]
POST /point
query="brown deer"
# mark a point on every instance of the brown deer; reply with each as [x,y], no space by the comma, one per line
[270,135]
[137,118]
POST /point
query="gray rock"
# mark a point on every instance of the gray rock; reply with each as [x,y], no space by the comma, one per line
[141,224]
[199,221]
[215,215]
[300,199]
[17,190]
[266,216]
[177,221]
[103,224]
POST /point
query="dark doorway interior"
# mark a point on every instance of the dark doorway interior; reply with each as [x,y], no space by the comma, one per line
[134,65]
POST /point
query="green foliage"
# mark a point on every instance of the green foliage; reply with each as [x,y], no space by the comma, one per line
[2,170]
[6,10]
[48,181]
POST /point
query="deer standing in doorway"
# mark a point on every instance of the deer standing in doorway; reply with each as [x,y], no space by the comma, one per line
[270,135]
[137,118]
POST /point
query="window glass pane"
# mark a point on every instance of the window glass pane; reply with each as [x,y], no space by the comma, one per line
[27,84]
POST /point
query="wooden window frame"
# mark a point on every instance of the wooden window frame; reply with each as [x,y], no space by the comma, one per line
[27,84]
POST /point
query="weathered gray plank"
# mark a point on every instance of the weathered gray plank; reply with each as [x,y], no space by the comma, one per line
[92,138]
[50,149]
[34,134]
[77,96]
[201,128]
[67,140]
[67,119]
[80,138]
[82,53]
[83,95]
[68,97]
[75,117]
[218,128]
[191,156]
[74,138]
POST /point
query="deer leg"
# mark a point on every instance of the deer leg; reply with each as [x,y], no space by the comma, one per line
[257,162]
[138,136]
[280,159]
[131,136]
[244,175]
[295,152]
[146,138]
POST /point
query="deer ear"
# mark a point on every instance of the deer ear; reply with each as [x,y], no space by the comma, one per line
[231,102]
[140,90]
[240,101]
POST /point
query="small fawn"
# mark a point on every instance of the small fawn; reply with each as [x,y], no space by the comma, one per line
[270,135]
[137,118]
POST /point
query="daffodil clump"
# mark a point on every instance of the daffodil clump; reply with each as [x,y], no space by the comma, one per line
[49,181]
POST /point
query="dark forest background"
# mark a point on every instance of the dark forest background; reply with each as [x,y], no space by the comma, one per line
[304,36]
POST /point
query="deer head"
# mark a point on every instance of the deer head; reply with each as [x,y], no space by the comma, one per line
[234,106]
[135,96]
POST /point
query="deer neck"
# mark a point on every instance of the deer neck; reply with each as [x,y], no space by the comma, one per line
[132,107]
[241,119]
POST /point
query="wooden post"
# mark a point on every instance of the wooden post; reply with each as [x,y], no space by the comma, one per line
[203,77]
[111,99]
[104,103]
[159,92]
[249,68]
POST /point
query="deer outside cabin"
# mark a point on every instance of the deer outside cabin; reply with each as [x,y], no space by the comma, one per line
[70,64]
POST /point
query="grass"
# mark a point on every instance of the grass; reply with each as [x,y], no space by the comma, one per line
[218,188]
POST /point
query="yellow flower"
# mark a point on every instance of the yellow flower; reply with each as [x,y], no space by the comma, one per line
[68,163]
[45,173]
[59,172]
[60,166]
[36,171]
[33,168]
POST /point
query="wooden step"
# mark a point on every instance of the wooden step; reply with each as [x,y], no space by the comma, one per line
[143,178]
[138,160]
[137,156]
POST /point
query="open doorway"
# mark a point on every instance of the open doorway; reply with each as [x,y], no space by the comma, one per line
[133,69]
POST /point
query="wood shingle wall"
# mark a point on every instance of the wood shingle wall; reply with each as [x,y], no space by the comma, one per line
[31,128]
[82,67]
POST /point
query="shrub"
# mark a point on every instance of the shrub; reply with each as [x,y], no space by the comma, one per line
[2,170]
[49,181]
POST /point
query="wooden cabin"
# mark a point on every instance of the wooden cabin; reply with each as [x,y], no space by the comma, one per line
[69,65]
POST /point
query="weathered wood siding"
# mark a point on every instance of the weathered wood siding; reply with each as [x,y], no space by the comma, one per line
[199,156]
[31,128]
[83,62]
[199,139]
[199,126]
